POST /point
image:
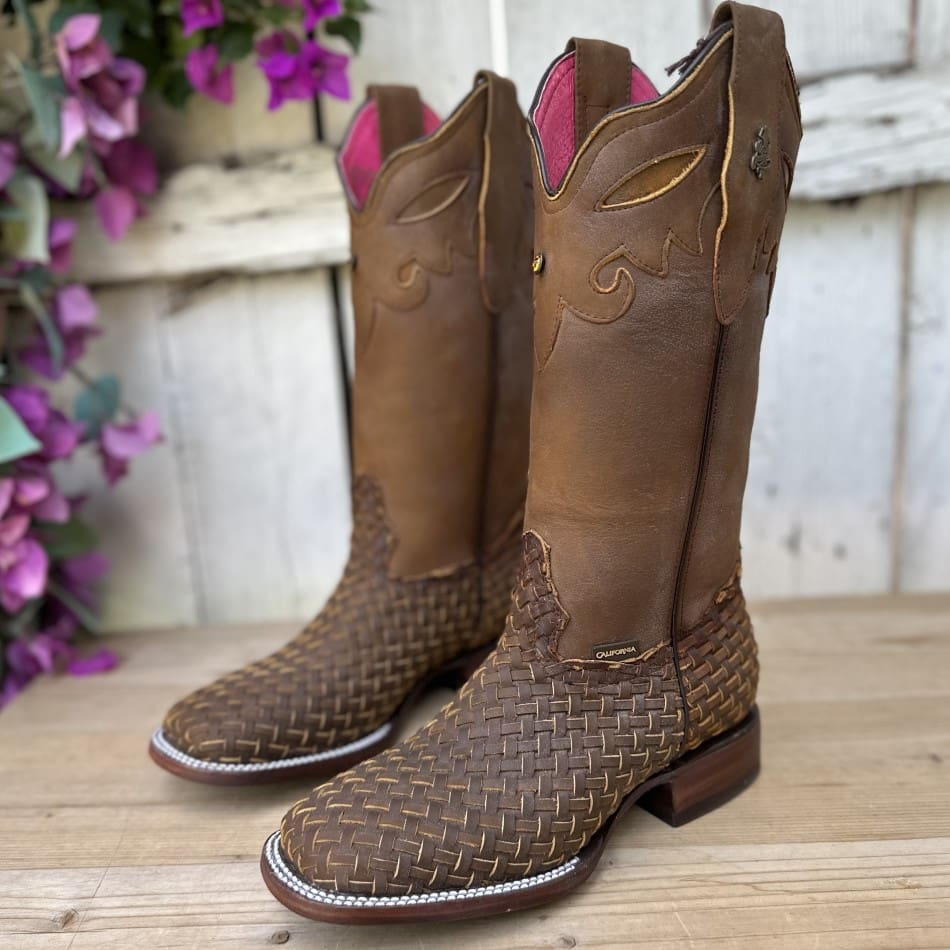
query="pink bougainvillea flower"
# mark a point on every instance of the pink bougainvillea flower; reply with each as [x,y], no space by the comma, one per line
[23,571]
[79,574]
[74,313]
[119,444]
[317,10]
[116,208]
[207,77]
[279,58]
[8,159]
[110,101]
[103,89]
[99,662]
[72,125]
[12,529]
[298,70]
[199,14]
[130,164]
[57,434]
[61,234]
[37,494]
[328,70]
[80,49]
[7,488]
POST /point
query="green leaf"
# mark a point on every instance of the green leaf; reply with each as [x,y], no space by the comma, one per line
[175,88]
[34,303]
[28,239]
[348,27]
[23,10]
[234,41]
[66,172]
[356,6]
[11,213]
[86,617]
[41,95]
[15,439]
[73,538]
[97,404]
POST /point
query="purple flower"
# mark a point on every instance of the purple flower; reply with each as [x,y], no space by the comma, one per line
[57,434]
[99,662]
[61,234]
[103,89]
[74,313]
[328,70]
[23,571]
[119,444]
[300,70]
[317,10]
[72,125]
[130,164]
[116,208]
[201,68]
[8,159]
[36,494]
[198,14]
[130,168]
[79,574]
[81,51]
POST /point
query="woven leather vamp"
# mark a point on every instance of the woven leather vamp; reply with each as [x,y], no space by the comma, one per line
[512,778]
[351,668]
[719,666]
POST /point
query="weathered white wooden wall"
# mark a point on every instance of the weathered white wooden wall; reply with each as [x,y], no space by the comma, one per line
[220,313]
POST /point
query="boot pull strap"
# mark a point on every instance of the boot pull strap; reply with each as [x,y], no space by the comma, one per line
[506,179]
[399,114]
[601,83]
[752,169]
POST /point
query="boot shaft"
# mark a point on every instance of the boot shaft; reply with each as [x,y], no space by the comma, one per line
[441,232]
[657,229]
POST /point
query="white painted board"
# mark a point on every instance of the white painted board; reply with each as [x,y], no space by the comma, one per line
[437,45]
[657,33]
[818,501]
[254,376]
[925,535]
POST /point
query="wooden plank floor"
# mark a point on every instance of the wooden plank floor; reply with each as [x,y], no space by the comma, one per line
[843,842]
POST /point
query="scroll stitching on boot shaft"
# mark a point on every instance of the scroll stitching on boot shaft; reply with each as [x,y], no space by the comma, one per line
[348,672]
[719,666]
[512,778]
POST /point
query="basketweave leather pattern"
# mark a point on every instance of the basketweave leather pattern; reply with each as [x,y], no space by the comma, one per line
[719,665]
[350,669]
[512,778]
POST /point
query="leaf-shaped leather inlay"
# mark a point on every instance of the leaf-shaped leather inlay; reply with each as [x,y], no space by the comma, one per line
[652,179]
[434,198]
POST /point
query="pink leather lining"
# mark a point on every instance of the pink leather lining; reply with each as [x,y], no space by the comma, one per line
[553,116]
[360,157]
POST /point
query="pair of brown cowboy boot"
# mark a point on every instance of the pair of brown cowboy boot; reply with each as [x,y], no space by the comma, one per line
[626,669]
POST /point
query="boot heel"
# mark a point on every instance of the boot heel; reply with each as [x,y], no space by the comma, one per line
[709,776]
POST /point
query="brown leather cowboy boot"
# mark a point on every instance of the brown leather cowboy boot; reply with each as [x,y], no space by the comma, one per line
[627,671]
[441,220]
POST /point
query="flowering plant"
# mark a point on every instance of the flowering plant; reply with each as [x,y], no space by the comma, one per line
[69,132]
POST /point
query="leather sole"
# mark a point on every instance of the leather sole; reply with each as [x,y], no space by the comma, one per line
[317,765]
[696,783]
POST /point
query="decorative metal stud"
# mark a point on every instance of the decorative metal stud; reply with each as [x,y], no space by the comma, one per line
[537,263]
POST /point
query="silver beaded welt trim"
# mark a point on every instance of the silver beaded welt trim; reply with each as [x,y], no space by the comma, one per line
[166,748]
[289,878]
